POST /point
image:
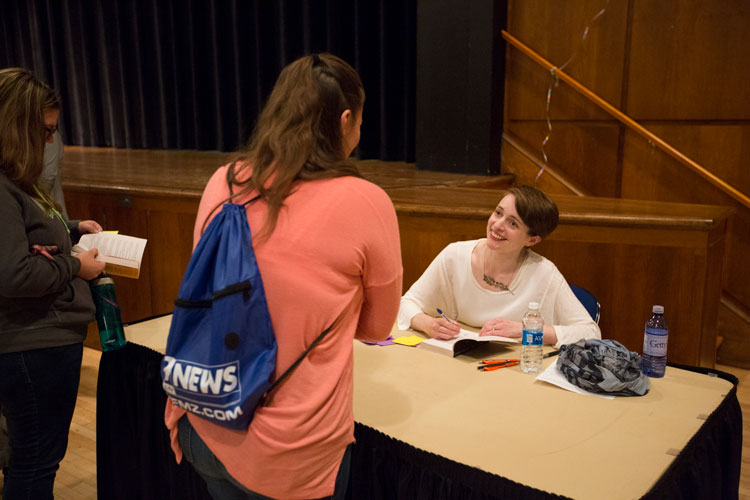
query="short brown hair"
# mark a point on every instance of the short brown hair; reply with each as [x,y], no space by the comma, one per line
[536,210]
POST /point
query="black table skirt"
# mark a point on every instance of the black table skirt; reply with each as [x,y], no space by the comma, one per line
[135,461]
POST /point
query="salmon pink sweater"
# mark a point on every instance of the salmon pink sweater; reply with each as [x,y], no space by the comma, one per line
[334,253]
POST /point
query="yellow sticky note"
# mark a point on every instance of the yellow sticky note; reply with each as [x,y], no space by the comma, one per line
[410,341]
[112,232]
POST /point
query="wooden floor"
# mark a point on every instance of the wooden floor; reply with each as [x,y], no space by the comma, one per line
[76,479]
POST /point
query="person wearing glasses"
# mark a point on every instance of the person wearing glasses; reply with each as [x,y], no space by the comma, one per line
[488,283]
[45,301]
[53,157]
[50,178]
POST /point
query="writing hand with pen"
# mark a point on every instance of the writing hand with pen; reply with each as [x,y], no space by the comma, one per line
[444,328]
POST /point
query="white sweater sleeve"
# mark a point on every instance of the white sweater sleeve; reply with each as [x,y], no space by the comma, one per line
[430,291]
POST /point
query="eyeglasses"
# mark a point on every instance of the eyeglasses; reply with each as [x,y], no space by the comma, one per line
[49,131]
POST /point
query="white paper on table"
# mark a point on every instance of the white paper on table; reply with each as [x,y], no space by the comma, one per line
[552,375]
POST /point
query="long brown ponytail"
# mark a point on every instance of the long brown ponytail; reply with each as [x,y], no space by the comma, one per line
[298,135]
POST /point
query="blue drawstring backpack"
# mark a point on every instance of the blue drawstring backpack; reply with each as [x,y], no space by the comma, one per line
[221,349]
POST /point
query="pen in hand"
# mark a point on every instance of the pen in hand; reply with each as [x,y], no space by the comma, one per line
[440,312]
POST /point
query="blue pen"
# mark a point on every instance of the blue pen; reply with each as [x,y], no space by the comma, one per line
[440,312]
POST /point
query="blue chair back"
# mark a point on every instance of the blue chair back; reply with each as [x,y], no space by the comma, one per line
[588,300]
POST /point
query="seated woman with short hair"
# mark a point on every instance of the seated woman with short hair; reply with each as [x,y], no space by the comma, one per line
[488,283]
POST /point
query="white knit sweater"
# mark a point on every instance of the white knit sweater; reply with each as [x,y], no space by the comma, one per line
[449,284]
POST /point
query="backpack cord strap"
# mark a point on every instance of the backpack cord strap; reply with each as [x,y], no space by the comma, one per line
[231,195]
[250,201]
[275,384]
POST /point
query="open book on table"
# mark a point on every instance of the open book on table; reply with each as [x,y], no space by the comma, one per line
[122,254]
[461,343]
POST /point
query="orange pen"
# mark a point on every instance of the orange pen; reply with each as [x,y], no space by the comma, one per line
[497,366]
[496,361]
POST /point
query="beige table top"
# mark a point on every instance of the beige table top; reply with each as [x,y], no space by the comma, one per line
[152,333]
[506,423]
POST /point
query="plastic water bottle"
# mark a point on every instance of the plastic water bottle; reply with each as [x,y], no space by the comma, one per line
[531,347]
[654,358]
[108,317]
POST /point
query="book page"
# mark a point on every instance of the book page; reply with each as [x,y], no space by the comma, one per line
[467,334]
[116,248]
[449,346]
[440,345]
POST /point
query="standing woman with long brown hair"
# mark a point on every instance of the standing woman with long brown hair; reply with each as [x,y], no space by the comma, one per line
[327,246]
[45,302]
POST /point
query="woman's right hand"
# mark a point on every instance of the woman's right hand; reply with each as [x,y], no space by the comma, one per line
[439,328]
[443,329]
[90,267]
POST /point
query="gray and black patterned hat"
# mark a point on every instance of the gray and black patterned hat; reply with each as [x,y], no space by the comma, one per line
[603,366]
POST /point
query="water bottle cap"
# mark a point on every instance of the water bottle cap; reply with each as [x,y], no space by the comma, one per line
[104,280]
[534,306]
[658,310]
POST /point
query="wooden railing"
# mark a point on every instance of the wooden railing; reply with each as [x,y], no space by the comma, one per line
[629,122]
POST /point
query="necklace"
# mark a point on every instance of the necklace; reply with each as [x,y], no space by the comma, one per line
[492,281]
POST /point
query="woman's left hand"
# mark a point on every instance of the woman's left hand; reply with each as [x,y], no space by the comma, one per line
[502,328]
[89,226]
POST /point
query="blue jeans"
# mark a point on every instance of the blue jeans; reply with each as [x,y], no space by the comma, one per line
[38,390]
[221,485]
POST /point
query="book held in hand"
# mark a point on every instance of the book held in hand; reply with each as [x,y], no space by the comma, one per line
[122,254]
[461,343]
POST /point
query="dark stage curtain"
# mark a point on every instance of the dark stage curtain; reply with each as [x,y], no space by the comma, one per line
[190,74]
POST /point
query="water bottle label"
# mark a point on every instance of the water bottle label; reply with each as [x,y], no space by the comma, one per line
[532,337]
[655,342]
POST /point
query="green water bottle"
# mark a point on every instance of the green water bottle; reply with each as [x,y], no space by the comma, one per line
[108,317]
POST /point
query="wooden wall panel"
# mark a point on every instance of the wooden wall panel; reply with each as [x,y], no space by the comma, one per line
[737,263]
[688,60]
[628,279]
[554,29]
[649,174]
[735,346]
[173,226]
[719,147]
[422,238]
[524,167]
[589,152]
[528,84]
